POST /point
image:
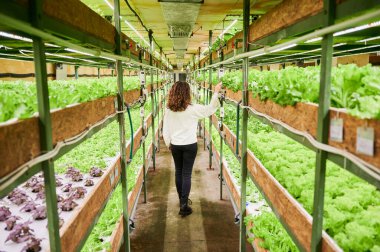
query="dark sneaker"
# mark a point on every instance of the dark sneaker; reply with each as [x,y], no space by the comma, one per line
[185,209]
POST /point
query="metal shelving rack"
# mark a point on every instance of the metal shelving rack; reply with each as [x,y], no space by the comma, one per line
[32,21]
[334,16]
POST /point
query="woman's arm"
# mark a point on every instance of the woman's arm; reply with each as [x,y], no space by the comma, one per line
[202,111]
[165,129]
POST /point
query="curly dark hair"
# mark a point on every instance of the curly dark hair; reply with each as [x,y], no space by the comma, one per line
[179,96]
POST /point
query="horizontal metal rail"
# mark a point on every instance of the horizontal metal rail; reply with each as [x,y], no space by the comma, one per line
[342,158]
[46,36]
[28,169]
[317,33]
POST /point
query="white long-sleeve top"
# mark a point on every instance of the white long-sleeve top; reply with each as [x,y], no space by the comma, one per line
[180,128]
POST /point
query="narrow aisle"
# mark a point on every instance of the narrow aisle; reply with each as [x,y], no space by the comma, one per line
[159,227]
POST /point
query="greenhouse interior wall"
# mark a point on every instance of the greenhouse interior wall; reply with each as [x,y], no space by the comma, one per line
[290,160]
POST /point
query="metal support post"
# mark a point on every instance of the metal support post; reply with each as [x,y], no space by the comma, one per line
[158,102]
[98,72]
[323,127]
[209,93]
[204,102]
[237,127]
[152,98]
[76,68]
[142,114]
[45,128]
[243,182]
[221,116]
[144,133]
[121,120]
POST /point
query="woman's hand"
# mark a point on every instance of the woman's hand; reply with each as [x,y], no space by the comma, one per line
[218,87]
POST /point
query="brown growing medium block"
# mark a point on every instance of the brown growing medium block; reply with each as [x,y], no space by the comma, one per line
[350,125]
[71,121]
[131,96]
[359,60]
[302,116]
[19,142]
[284,15]
[77,14]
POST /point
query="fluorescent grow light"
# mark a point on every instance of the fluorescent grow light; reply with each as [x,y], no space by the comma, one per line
[314,40]
[350,30]
[284,48]
[75,51]
[258,55]
[358,28]
[228,28]
[358,49]
[368,39]
[12,36]
[109,4]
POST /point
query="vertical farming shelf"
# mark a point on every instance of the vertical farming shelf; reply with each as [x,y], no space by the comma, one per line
[74,232]
[288,210]
[116,239]
[19,139]
[303,118]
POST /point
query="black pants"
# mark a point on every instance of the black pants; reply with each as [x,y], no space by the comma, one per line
[184,156]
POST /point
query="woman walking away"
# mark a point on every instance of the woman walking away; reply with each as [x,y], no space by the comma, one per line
[180,135]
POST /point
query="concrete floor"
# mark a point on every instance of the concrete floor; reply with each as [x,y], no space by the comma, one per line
[159,227]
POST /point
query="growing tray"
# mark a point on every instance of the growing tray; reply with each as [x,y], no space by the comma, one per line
[304,117]
[20,139]
[291,214]
[116,239]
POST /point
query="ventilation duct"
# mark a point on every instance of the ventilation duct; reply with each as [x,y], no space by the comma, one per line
[180,23]
[179,31]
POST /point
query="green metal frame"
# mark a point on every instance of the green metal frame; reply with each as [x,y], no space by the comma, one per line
[76,68]
[243,176]
[342,11]
[323,127]
[221,148]
[158,101]
[209,100]
[42,26]
[237,128]
[45,127]
[144,133]
[121,120]
[204,103]
[153,100]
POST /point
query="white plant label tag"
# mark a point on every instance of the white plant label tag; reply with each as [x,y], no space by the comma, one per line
[365,141]
[112,178]
[221,112]
[142,77]
[336,130]
[221,73]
